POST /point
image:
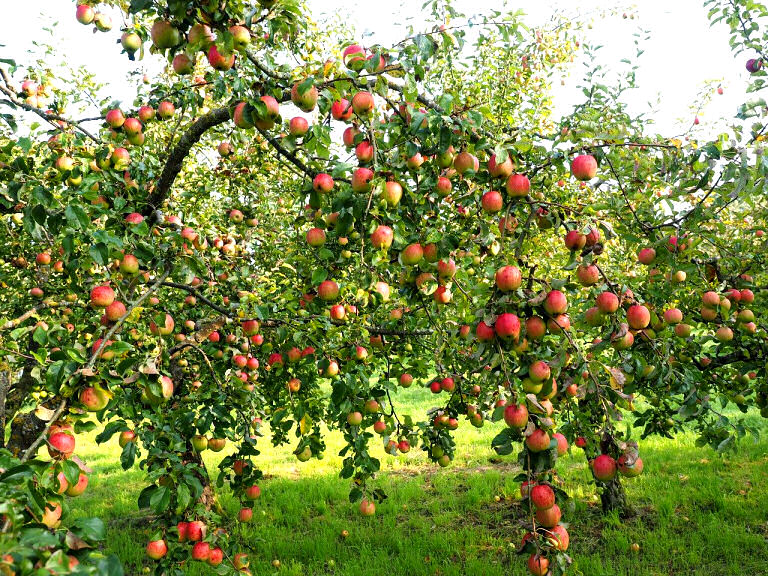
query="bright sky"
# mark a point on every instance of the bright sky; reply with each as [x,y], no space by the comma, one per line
[681,56]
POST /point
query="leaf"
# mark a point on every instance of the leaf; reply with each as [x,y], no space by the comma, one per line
[160,499]
[91,529]
[110,430]
[76,216]
[110,566]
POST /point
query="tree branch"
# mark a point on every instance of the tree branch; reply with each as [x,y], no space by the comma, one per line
[176,158]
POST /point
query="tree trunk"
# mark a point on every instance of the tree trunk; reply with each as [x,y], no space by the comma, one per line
[614,498]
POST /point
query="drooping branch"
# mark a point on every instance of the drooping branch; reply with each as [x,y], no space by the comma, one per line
[176,158]
[15,101]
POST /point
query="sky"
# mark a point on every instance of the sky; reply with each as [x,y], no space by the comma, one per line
[681,57]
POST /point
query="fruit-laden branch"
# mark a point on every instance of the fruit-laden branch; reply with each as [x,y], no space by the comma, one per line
[275,322]
[50,117]
[17,321]
[292,158]
[31,451]
[176,158]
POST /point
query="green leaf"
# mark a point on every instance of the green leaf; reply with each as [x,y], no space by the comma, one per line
[90,529]
[160,499]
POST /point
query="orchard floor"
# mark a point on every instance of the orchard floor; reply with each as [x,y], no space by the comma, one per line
[699,513]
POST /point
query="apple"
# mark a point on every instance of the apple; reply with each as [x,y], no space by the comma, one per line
[588,275]
[555,303]
[392,194]
[382,237]
[542,497]
[200,36]
[304,99]
[604,468]
[507,326]
[103,22]
[518,185]
[125,437]
[361,180]
[215,557]
[629,471]
[484,333]
[673,316]
[363,104]
[353,57]
[607,302]
[115,311]
[535,328]
[538,441]
[130,42]
[724,334]
[500,169]
[562,442]
[516,415]
[157,549]
[298,126]
[638,316]
[220,60]
[115,118]
[328,290]
[164,35]
[508,278]
[341,110]
[78,488]
[102,296]
[166,329]
[492,202]
[539,371]
[646,256]
[443,186]
[201,551]
[146,113]
[464,161]
[166,109]
[84,14]
[315,237]
[411,255]
[405,380]
[61,445]
[584,167]
[182,64]
[754,65]
[575,240]
[199,442]
[367,507]
[322,183]
[549,517]
[446,269]
[538,565]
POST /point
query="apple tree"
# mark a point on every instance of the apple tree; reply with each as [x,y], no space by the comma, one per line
[287,225]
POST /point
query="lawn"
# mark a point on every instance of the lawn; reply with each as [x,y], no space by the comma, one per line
[698,513]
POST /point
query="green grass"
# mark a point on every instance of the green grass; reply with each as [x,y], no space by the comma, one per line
[699,513]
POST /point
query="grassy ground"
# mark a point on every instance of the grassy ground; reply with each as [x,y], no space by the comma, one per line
[698,513]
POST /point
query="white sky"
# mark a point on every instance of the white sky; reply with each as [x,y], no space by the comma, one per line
[682,54]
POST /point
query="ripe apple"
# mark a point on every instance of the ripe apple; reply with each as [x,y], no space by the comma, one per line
[164,35]
[604,468]
[84,14]
[535,328]
[166,109]
[538,565]
[502,169]
[367,507]
[542,497]
[638,316]
[361,180]
[363,103]
[516,415]
[61,445]
[555,303]
[492,202]
[315,237]
[392,194]
[508,278]
[157,549]
[182,64]
[220,60]
[484,333]
[465,161]
[382,237]
[328,290]
[78,488]
[588,275]
[518,185]
[646,256]
[607,302]
[508,326]
[584,167]
[115,118]
[411,255]
[342,110]
[125,437]
[538,441]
